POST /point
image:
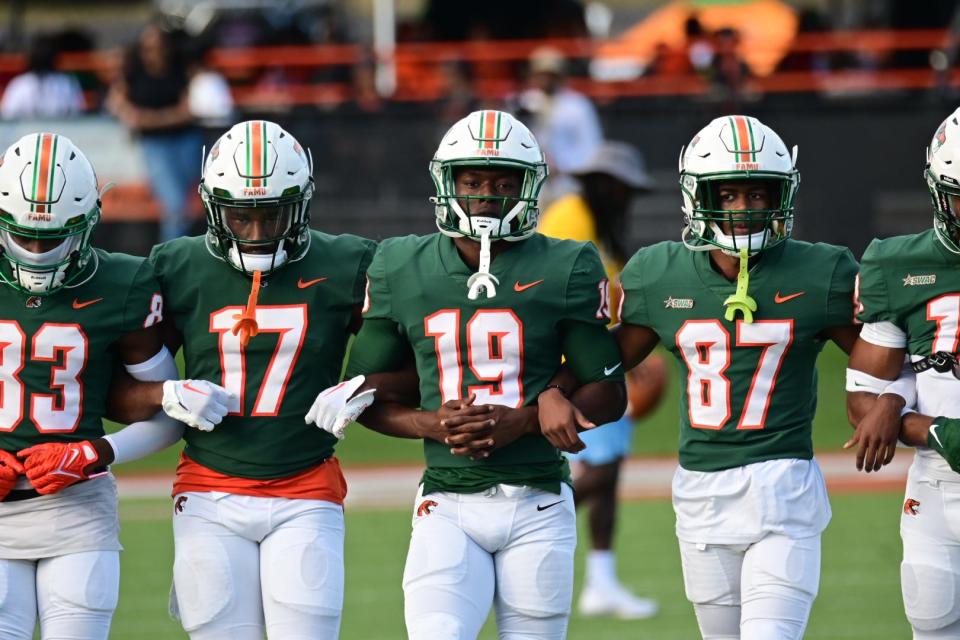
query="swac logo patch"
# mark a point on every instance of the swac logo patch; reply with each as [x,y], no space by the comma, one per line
[426,508]
[911,507]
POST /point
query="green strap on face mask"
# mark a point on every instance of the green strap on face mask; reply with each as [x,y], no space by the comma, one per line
[740,301]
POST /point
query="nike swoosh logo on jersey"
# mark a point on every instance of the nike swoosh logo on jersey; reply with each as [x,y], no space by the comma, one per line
[608,370]
[80,305]
[933,432]
[301,284]
[552,504]
[781,300]
[523,287]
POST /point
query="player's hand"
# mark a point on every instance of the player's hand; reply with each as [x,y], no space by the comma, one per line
[53,466]
[501,426]
[10,469]
[465,427]
[335,408]
[944,438]
[560,421]
[196,403]
[876,434]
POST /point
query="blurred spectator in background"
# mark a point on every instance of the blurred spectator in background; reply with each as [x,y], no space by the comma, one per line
[152,99]
[42,91]
[564,121]
[208,93]
[613,175]
[699,47]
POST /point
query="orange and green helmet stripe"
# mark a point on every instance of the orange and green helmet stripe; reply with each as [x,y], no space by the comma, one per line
[741,129]
[256,153]
[44,165]
[489,137]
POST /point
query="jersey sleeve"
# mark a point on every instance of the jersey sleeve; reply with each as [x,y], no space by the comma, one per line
[840,299]
[144,302]
[360,284]
[591,352]
[378,347]
[587,294]
[633,304]
[376,300]
[872,297]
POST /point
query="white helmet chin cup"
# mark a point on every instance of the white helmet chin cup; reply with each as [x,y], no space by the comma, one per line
[250,262]
[731,244]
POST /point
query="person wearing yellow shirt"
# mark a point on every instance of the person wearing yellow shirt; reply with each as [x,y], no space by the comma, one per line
[598,213]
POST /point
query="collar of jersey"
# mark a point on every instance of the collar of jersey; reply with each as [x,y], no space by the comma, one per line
[948,256]
[714,281]
[456,268]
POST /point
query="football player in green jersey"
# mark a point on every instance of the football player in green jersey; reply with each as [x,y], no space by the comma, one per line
[70,314]
[488,308]
[745,309]
[909,302]
[258,518]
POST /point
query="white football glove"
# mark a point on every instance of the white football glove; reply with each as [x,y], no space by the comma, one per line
[334,408]
[196,403]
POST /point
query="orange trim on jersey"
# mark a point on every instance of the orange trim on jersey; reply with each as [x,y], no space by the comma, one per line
[744,137]
[322,482]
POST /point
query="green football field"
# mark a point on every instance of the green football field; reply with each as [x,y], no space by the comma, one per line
[859,592]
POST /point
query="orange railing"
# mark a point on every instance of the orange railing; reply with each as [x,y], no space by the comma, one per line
[419,65]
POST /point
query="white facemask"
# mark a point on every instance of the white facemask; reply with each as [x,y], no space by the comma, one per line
[731,244]
[257,261]
[41,279]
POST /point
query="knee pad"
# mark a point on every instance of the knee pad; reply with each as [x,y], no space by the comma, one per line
[203,583]
[88,581]
[718,621]
[930,596]
[436,625]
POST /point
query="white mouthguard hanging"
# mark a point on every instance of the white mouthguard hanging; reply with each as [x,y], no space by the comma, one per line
[483,280]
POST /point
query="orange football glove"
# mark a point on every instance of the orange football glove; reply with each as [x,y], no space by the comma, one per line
[10,468]
[53,466]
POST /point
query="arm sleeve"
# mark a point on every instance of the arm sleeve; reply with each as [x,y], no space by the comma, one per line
[586,298]
[840,299]
[376,301]
[591,352]
[378,347]
[872,297]
[144,304]
[884,334]
[360,284]
[633,304]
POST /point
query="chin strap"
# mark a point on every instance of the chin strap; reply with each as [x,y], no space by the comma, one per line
[483,280]
[246,324]
[740,301]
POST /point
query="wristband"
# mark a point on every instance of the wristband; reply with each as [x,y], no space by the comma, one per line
[562,391]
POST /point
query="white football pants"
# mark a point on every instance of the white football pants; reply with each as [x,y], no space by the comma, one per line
[508,546]
[930,572]
[758,591]
[74,596]
[246,565]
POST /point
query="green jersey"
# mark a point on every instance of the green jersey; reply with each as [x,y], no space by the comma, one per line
[304,313]
[56,352]
[750,390]
[504,349]
[913,282]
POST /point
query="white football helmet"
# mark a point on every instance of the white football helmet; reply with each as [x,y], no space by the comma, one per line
[48,192]
[488,139]
[257,166]
[736,148]
[943,180]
